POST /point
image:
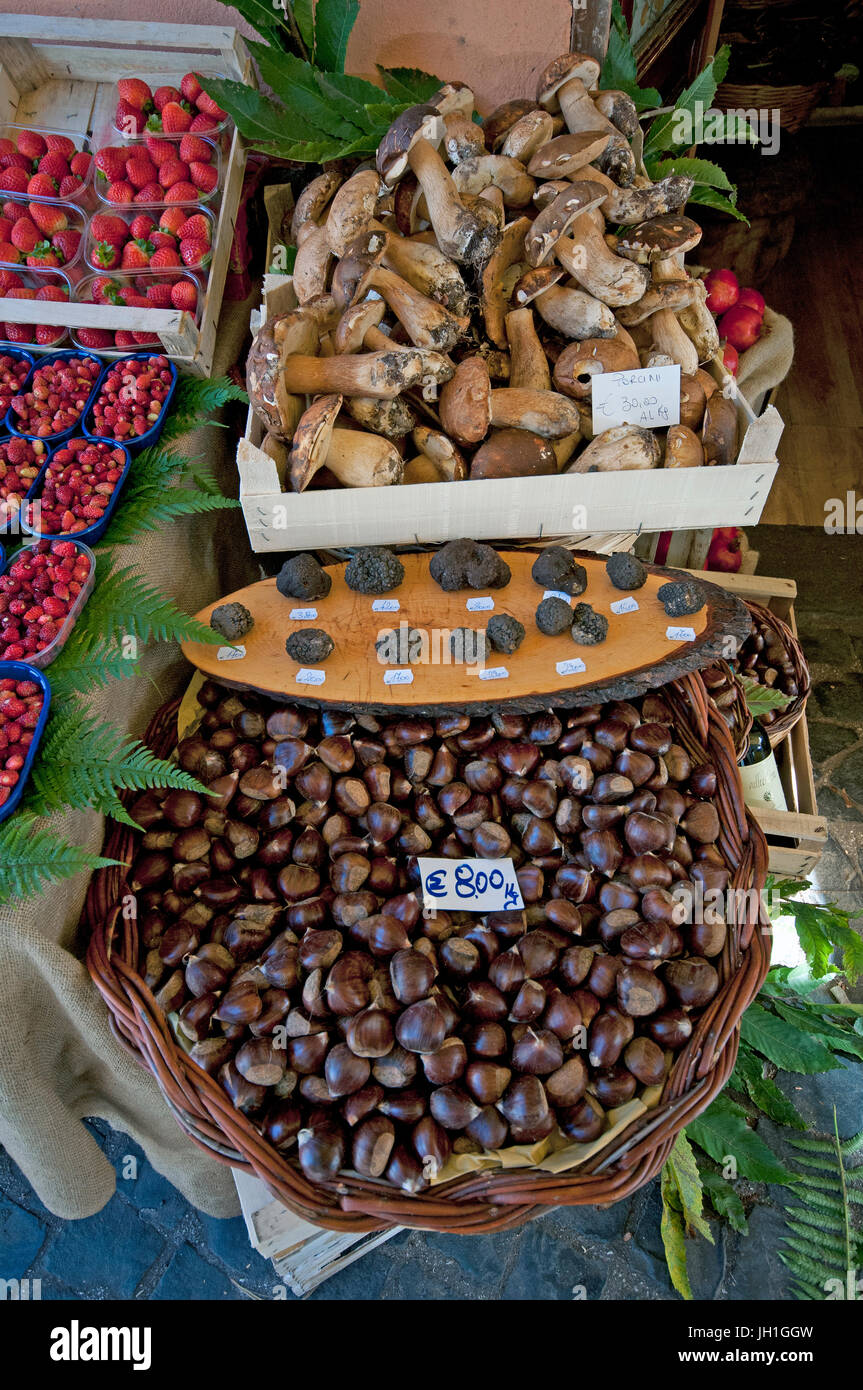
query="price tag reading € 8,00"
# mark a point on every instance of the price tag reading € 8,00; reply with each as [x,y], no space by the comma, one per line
[472,885]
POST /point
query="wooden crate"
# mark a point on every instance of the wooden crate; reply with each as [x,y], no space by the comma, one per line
[796,837]
[61,74]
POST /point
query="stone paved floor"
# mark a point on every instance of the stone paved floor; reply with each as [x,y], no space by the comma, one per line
[149,1243]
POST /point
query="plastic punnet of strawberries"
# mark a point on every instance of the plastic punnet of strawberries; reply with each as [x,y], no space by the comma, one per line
[57,396]
[168,241]
[132,397]
[20,707]
[20,462]
[36,596]
[78,486]
[13,372]
[12,286]
[42,164]
[168,110]
[38,235]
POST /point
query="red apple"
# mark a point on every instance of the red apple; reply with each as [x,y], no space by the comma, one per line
[725,553]
[722,290]
[752,300]
[730,360]
[740,326]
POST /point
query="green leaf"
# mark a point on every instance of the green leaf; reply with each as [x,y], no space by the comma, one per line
[31,857]
[822,929]
[335,89]
[725,1201]
[673,1232]
[409,85]
[722,1132]
[748,1076]
[760,699]
[255,115]
[711,198]
[701,170]
[783,1045]
[151,508]
[306,115]
[264,19]
[684,1170]
[645,98]
[304,17]
[665,134]
[334,20]
[834,1038]
[124,605]
[620,69]
[81,669]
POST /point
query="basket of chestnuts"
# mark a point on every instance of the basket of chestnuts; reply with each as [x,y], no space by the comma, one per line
[773,657]
[377,1061]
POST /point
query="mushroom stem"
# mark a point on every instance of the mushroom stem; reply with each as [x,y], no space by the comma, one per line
[541,412]
[528,363]
[459,234]
[382,374]
[575,314]
[427,269]
[312,266]
[627,206]
[669,337]
[675,294]
[428,324]
[609,278]
[699,324]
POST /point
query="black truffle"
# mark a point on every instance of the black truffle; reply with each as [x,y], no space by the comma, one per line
[374,570]
[302,577]
[467,564]
[681,597]
[625,571]
[468,644]
[231,620]
[310,644]
[505,634]
[555,568]
[588,627]
[553,616]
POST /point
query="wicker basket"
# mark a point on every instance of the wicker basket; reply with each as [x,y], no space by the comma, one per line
[730,699]
[489,1200]
[795,103]
[785,720]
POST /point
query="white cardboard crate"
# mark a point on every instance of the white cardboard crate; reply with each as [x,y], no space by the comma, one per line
[61,73]
[583,505]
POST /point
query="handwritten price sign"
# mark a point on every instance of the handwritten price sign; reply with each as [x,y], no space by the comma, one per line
[649,397]
[470,885]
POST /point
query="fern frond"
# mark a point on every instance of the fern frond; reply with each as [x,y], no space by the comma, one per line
[811,1145]
[829,1221]
[827,1240]
[806,1292]
[805,1265]
[81,669]
[195,398]
[852,1146]
[124,605]
[823,1246]
[31,857]
[152,507]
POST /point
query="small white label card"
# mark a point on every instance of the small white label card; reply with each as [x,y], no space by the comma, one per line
[306,676]
[680,634]
[558,593]
[647,396]
[302,615]
[493,673]
[479,605]
[230,653]
[471,885]
[624,605]
[571,667]
[401,677]
[385,605]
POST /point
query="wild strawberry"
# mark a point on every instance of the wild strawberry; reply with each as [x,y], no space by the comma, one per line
[140,170]
[203,176]
[163,95]
[160,296]
[182,193]
[13,180]
[17,160]
[202,124]
[136,92]
[159,150]
[175,120]
[150,193]
[110,164]
[25,234]
[31,144]
[141,225]
[195,254]
[54,165]
[42,186]
[107,226]
[47,218]
[164,259]
[95,337]
[62,144]
[190,86]
[80,163]
[192,147]
[120,192]
[209,107]
[129,119]
[184,295]
[67,243]
[10,253]
[69,186]
[172,220]
[136,255]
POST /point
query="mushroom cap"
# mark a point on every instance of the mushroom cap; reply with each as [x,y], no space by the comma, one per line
[463,138]
[498,124]
[535,282]
[351,210]
[421,122]
[532,130]
[465,402]
[513,454]
[619,108]
[312,439]
[581,361]
[562,70]
[554,219]
[566,154]
[452,97]
[658,238]
[313,199]
[440,449]
[355,322]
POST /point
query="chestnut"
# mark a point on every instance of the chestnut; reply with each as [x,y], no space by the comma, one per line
[537,1052]
[321,1148]
[584,1121]
[538,953]
[524,1103]
[448,1062]
[489,1129]
[670,1028]
[406,1105]
[487,1081]
[404,1170]
[369,1033]
[306,1055]
[452,1107]
[701,822]
[645,1059]
[412,975]
[459,957]
[562,1015]
[609,1033]
[431,1144]
[614,1086]
[260,1062]
[386,935]
[372,1145]
[421,1027]
[575,965]
[693,980]
[529,1002]
[654,739]
[344,1071]
[566,1086]
[282,1123]
[486,1040]
[603,851]
[707,938]
[639,992]
[398,1068]
[483,1002]
[360,1103]
[245,1095]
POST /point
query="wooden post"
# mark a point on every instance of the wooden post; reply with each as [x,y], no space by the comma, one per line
[591,23]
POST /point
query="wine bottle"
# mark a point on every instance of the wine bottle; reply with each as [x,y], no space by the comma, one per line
[762,785]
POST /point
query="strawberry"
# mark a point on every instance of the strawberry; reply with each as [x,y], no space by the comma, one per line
[163,95]
[13,180]
[80,163]
[7,146]
[184,295]
[102,289]
[140,170]
[192,147]
[129,119]
[160,150]
[141,225]
[195,228]
[8,281]
[95,337]
[31,144]
[105,255]
[202,124]
[25,235]
[163,239]
[14,211]
[164,259]
[150,193]
[42,186]
[6,225]
[143,339]
[160,296]
[190,87]
[107,226]
[70,185]
[203,176]
[124,339]
[43,257]
[49,333]
[17,161]
[136,255]
[54,165]
[132,299]
[120,192]
[24,292]
[67,243]
[182,193]
[10,252]
[47,218]
[20,332]
[195,254]
[57,294]
[175,120]
[62,144]
[110,164]
[172,220]
[136,92]
[209,107]
[173,171]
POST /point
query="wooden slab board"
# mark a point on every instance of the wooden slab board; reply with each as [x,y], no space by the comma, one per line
[636,656]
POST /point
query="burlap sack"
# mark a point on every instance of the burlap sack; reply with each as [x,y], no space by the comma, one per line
[768,361]
[58,1059]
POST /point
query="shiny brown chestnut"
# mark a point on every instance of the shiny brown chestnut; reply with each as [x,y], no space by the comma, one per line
[645,1059]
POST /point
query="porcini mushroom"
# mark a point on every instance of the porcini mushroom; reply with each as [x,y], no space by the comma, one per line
[675,294]
[355,458]
[567,154]
[659,238]
[619,108]
[428,324]
[575,314]
[625,206]
[610,278]
[534,283]
[513,453]
[352,209]
[683,448]
[719,430]
[509,251]
[312,266]
[692,401]
[566,84]
[546,413]
[495,170]
[497,125]
[552,221]
[312,201]
[382,374]
[580,362]
[463,138]
[524,138]
[393,419]
[453,97]
[442,452]
[669,338]
[623,447]
[465,402]
[529,364]
[699,324]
